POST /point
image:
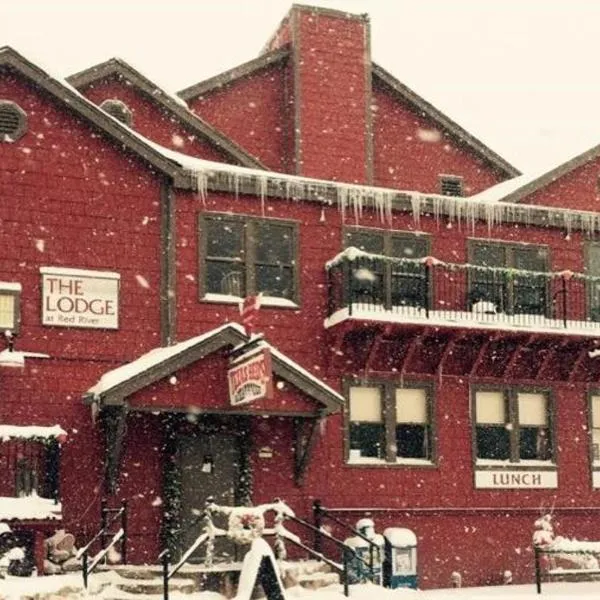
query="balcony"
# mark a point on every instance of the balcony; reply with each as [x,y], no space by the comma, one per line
[372,288]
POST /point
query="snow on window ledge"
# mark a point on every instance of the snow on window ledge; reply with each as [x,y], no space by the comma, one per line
[273,301]
[400,462]
[29,507]
[506,464]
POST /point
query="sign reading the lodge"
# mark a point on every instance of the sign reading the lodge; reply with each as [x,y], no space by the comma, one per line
[250,377]
[80,298]
[502,479]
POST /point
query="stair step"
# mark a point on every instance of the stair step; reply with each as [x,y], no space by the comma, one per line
[155,585]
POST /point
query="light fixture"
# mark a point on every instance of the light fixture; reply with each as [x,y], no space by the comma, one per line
[208,464]
[8,357]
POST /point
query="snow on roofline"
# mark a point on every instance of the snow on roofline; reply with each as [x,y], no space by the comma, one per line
[26,432]
[117,376]
[485,206]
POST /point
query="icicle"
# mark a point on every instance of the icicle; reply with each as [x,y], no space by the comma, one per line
[202,185]
[342,199]
[568,223]
[415,203]
[262,189]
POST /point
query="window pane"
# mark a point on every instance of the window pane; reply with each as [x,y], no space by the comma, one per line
[533,409]
[274,244]
[595,401]
[593,260]
[493,442]
[224,239]
[488,255]
[367,282]
[275,281]
[490,407]
[7,311]
[412,441]
[534,444]
[365,404]
[366,241]
[529,259]
[596,445]
[530,295]
[409,247]
[411,406]
[368,438]
[225,278]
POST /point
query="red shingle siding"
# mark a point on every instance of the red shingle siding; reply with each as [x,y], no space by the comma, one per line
[411,151]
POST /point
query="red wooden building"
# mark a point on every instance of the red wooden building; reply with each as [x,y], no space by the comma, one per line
[431,316]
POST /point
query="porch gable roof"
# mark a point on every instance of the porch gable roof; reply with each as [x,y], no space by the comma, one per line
[116,385]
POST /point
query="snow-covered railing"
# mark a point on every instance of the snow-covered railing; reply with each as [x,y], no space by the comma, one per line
[583,556]
[375,287]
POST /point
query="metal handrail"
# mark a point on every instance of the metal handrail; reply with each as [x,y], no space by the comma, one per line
[320,511]
[119,536]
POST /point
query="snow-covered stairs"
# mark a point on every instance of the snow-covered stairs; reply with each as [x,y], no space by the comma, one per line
[310,574]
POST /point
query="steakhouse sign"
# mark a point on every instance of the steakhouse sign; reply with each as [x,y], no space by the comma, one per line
[80,298]
[250,377]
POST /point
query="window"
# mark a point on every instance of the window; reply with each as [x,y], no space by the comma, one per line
[9,306]
[499,282]
[13,121]
[242,256]
[376,281]
[512,425]
[118,109]
[595,427]
[451,185]
[389,424]
[593,270]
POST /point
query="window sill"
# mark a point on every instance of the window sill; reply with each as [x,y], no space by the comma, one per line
[523,464]
[380,462]
[265,301]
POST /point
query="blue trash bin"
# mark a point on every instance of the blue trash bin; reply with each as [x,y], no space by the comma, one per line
[400,566]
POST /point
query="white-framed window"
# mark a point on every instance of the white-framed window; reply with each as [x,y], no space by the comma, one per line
[595,428]
[512,425]
[10,295]
[388,423]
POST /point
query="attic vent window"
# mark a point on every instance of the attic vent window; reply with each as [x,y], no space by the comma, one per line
[451,185]
[117,109]
[13,121]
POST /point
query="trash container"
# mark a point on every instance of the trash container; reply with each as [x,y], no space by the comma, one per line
[359,567]
[400,565]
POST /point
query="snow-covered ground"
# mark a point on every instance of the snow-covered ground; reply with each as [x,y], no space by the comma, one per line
[69,587]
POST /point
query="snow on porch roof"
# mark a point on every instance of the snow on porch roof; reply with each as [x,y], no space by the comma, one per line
[114,386]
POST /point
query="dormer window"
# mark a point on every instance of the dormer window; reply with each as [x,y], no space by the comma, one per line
[13,121]
[118,109]
[451,185]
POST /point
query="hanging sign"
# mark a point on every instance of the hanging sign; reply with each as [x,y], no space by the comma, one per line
[250,377]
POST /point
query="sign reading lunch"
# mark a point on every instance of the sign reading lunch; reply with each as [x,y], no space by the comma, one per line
[80,298]
[250,377]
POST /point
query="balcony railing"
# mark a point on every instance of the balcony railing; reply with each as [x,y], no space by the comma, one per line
[373,287]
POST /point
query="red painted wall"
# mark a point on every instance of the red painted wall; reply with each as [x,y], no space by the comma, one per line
[411,151]
[154,123]
[254,112]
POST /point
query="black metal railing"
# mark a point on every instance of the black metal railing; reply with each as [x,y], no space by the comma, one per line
[108,538]
[321,514]
[555,552]
[374,286]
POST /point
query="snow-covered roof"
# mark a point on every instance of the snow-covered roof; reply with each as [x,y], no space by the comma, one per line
[161,362]
[144,363]
[399,537]
[27,432]
[29,507]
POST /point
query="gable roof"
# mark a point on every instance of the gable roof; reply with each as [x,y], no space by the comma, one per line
[526,185]
[113,129]
[444,122]
[172,104]
[114,386]
[239,72]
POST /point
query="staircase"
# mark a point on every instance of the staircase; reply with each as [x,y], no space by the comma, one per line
[127,581]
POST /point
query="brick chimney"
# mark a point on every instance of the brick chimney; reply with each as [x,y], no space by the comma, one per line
[331,82]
